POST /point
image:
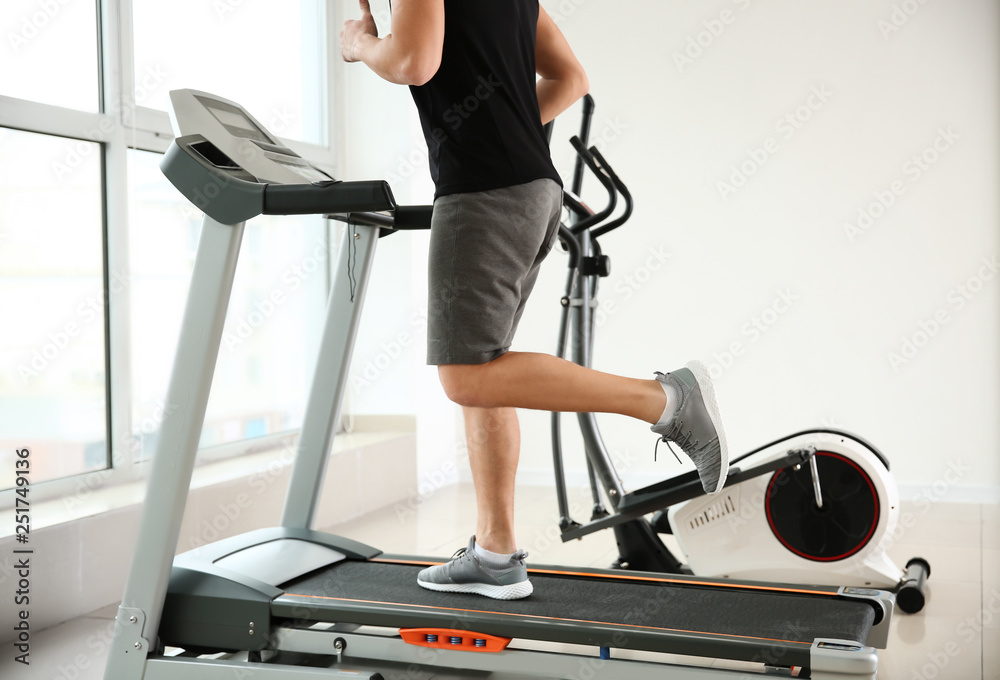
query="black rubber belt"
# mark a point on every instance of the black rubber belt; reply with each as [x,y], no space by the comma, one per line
[762,626]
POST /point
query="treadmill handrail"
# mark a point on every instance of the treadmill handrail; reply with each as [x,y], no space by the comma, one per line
[403,218]
[320,198]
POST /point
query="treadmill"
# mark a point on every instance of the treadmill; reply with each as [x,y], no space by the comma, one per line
[293,603]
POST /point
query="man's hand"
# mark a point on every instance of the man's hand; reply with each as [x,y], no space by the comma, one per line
[354,31]
[411,54]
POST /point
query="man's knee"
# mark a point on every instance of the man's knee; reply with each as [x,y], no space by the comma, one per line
[461,383]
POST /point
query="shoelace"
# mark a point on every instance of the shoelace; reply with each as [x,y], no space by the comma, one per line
[682,439]
[679,437]
[664,439]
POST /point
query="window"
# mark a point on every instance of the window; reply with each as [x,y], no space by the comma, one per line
[52,384]
[38,36]
[274,321]
[96,247]
[266,56]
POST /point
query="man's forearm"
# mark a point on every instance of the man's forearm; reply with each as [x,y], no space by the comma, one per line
[383,57]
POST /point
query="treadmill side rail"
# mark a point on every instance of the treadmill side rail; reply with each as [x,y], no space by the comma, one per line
[842,660]
[412,661]
[543,630]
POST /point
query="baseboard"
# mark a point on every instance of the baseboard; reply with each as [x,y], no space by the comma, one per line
[950,494]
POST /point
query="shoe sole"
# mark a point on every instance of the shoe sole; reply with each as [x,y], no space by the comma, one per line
[704,379]
[515,591]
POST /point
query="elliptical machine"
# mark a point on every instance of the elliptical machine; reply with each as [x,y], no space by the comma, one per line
[817,506]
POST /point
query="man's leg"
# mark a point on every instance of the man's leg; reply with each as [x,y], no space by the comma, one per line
[491,564]
[485,251]
[548,383]
[527,380]
[680,406]
[494,441]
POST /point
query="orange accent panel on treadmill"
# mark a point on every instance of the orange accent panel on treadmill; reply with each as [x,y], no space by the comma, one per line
[466,639]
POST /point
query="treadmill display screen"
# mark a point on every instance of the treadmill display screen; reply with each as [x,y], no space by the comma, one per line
[238,124]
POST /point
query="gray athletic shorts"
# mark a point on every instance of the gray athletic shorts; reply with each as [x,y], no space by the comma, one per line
[485,251]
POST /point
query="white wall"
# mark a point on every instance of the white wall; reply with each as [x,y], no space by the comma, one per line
[675,129]
[689,91]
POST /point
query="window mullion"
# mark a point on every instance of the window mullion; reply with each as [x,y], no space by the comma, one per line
[118,96]
[335,90]
[119,103]
[48,119]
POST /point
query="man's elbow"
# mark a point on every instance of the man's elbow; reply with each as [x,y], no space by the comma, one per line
[581,85]
[574,83]
[419,70]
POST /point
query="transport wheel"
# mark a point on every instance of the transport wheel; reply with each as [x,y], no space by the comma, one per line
[910,596]
[843,526]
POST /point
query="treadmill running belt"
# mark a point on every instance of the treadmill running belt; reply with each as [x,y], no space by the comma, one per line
[769,620]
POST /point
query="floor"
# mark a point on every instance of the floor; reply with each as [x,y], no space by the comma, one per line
[957,636]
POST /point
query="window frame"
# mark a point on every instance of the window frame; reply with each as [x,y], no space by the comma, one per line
[117,127]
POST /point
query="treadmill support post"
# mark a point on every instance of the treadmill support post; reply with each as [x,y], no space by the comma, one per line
[173,462]
[354,262]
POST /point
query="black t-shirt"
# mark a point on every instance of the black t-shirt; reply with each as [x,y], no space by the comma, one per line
[480,111]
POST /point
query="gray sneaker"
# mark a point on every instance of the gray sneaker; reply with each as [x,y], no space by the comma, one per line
[696,425]
[467,573]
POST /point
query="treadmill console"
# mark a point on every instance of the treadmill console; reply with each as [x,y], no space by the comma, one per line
[238,137]
[228,165]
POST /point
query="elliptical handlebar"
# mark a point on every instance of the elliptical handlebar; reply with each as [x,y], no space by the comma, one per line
[621,188]
[612,183]
[575,205]
[591,162]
